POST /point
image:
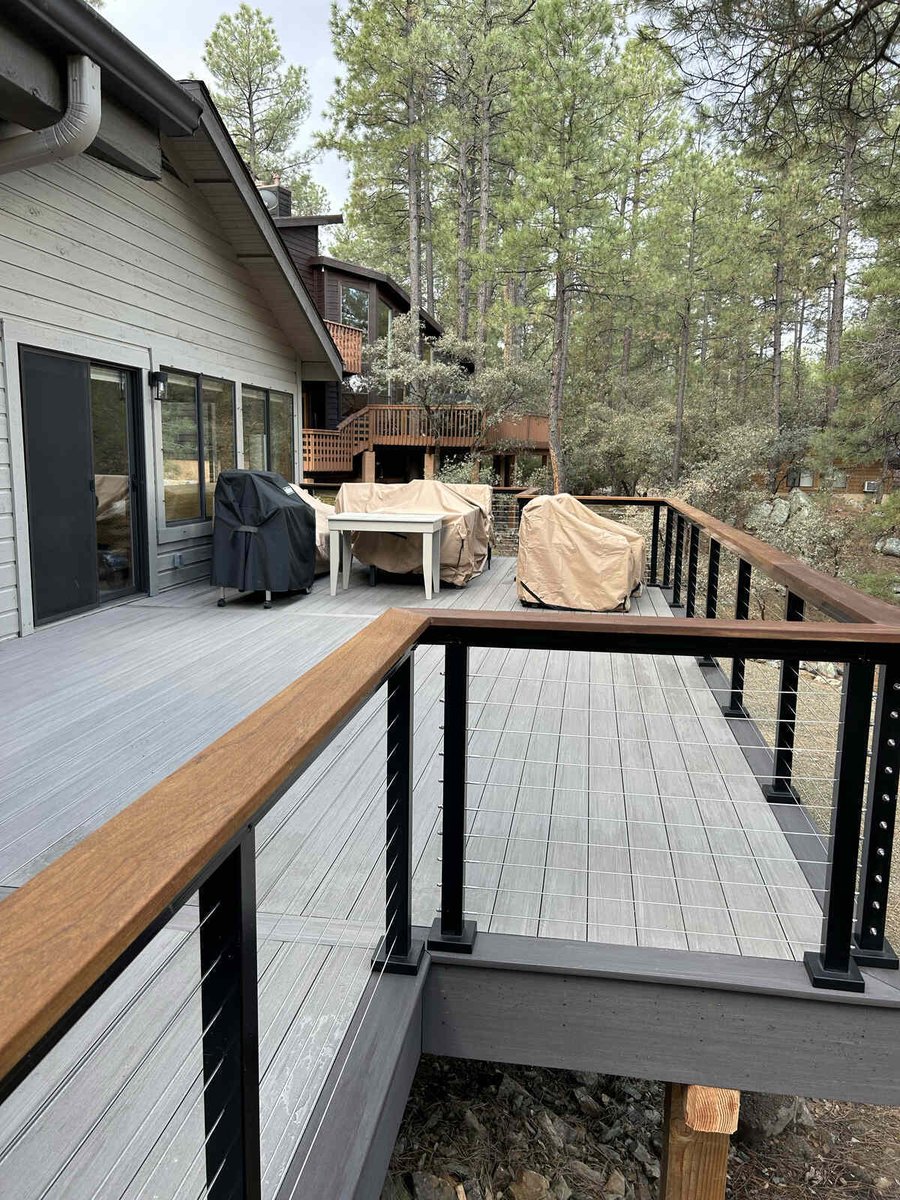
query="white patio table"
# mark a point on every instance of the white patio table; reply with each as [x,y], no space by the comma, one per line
[342,525]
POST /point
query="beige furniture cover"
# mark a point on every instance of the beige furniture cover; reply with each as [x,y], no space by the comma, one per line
[464,536]
[323,511]
[570,557]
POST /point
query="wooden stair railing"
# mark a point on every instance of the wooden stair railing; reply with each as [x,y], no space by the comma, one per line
[455,426]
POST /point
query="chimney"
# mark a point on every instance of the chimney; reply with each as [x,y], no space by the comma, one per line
[277,199]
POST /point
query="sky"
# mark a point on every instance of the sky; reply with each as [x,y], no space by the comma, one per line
[172,33]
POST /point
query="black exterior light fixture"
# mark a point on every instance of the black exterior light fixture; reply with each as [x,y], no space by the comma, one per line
[158,381]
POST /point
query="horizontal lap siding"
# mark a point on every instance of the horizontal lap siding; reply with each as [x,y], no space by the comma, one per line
[87,249]
[9,609]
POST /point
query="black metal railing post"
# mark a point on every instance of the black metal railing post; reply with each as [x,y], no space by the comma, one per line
[781,790]
[403,953]
[833,965]
[229,1006]
[712,592]
[872,947]
[667,549]
[735,706]
[690,602]
[450,930]
[679,557]
[654,547]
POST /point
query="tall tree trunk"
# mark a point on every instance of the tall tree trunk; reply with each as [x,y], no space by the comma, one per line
[413,187]
[684,349]
[428,227]
[798,347]
[484,215]
[743,372]
[628,330]
[839,277]
[463,236]
[558,375]
[777,331]
[704,330]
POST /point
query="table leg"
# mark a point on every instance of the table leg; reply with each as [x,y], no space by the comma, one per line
[334,556]
[347,556]
[427,560]
[436,560]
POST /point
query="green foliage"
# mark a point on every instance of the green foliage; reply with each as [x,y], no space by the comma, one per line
[263,101]
[444,375]
[664,269]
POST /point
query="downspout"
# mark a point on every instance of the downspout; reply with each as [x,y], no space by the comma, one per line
[72,133]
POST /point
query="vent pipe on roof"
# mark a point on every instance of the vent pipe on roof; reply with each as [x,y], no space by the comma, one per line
[72,133]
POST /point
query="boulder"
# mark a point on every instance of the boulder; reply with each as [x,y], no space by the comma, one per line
[615,1184]
[431,1187]
[529,1185]
[394,1189]
[889,546]
[763,1117]
[586,1177]
[798,502]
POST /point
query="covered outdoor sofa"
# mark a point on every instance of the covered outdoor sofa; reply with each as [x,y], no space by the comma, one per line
[465,533]
[572,558]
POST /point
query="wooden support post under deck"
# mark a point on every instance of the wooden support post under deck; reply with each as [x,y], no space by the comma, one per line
[696,1135]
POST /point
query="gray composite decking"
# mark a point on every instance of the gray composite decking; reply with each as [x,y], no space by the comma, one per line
[609,802]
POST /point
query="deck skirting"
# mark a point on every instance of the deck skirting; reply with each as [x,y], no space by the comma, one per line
[716,1019]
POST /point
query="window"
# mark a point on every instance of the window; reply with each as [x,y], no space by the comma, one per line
[217,405]
[806,478]
[255,449]
[281,434]
[268,431]
[355,307]
[197,416]
[837,479]
[385,319]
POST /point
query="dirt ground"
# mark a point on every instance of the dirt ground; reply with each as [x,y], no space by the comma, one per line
[484,1131]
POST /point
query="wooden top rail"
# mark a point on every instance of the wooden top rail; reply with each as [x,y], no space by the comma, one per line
[682,635]
[834,597]
[70,924]
[823,591]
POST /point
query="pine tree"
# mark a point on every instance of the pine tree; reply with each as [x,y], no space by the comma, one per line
[263,101]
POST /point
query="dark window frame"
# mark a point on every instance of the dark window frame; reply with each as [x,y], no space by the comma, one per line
[198,378]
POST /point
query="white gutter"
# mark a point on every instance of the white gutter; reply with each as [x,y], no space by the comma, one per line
[72,133]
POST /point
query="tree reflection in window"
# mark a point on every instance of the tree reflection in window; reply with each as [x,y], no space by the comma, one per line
[355,307]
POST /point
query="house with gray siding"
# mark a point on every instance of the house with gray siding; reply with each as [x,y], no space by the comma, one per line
[153,327]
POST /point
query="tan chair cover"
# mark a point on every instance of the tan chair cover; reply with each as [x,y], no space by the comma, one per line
[323,541]
[481,494]
[570,557]
[464,536]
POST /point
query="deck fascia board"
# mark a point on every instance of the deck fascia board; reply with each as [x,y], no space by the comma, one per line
[719,1020]
[348,1140]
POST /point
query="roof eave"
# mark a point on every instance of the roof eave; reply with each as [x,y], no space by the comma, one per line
[212,124]
[129,74]
[338,264]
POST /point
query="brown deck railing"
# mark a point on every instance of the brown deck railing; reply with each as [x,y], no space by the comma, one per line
[349,341]
[453,426]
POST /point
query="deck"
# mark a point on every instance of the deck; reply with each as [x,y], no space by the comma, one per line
[609,802]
